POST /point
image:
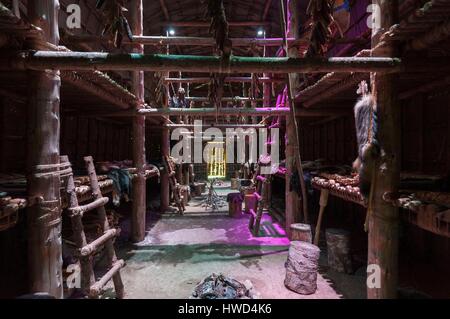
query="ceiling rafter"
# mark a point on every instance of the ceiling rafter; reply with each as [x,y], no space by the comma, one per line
[266,10]
[164,9]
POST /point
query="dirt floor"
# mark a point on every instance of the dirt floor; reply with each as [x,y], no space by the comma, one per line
[179,251]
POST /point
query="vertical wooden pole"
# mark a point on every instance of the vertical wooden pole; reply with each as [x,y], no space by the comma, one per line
[44,215]
[186,180]
[165,149]
[165,190]
[266,85]
[384,220]
[139,184]
[16,8]
[292,199]
[323,202]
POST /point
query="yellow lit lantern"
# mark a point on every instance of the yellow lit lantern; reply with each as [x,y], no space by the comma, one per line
[216,160]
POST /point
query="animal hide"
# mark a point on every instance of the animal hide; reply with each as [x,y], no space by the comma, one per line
[115,22]
[368,148]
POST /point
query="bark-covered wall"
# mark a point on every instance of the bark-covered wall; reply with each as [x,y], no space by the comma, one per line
[334,141]
[12,136]
[426,134]
[103,140]
[80,136]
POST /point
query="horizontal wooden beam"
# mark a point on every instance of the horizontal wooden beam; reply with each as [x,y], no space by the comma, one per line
[224,99]
[206,24]
[205,126]
[201,41]
[226,80]
[211,112]
[88,61]
[181,41]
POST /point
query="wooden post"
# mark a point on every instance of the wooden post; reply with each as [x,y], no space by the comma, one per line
[301,232]
[44,215]
[292,198]
[165,190]
[139,184]
[323,202]
[186,180]
[384,220]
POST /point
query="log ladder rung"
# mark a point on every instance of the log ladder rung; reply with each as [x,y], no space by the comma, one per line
[96,289]
[169,166]
[260,195]
[93,247]
[89,286]
[89,207]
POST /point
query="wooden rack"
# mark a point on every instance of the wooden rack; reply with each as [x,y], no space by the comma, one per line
[431,216]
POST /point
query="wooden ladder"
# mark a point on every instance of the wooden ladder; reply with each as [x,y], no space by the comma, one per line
[169,166]
[262,183]
[86,251]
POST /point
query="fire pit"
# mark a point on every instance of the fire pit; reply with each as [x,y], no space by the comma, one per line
[222,287]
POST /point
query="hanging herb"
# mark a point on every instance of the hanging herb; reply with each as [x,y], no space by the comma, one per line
[321,12]
[215,10]
[116,24]
[216,86]
[255,88]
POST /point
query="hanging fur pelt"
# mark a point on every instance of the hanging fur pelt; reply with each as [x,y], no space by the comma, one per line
[321,12]
[116,24]
[366,132]
[215,11]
